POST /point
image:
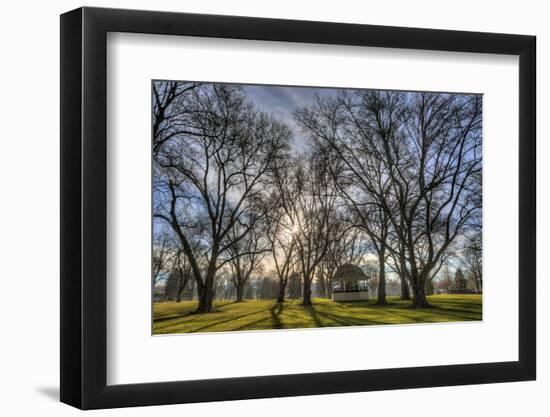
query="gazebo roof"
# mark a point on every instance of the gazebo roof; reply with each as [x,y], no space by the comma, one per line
[349,272]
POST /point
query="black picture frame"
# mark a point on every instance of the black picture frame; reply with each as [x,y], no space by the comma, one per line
[84,207]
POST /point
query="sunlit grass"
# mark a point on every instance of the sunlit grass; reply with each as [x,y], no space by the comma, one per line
[172,317]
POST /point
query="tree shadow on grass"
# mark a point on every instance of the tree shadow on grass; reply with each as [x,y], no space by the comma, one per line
[353,304]
[228,302]
[192,312]
[454,301]
[463,308]
[314,315]
[458,315]
[172,317]
[275,312]
[250,325]
[409,318]
[433,315]
[451,311]
[348,321]
[225,321]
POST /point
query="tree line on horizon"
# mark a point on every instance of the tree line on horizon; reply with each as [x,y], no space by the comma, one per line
[389,180]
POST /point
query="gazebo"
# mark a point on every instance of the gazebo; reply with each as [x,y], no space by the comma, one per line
[349,283]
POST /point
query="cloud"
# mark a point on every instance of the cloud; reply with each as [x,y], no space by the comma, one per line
[282,101]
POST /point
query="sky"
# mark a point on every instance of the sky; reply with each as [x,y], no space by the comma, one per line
[282,101]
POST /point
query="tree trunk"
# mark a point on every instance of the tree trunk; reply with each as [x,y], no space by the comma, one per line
[307,292]
[403,276]
[381,298]
[405,294]
[282,290]
[479,283]
[322,285]
[240,293]
[206,292]
[205,302]
[419,296]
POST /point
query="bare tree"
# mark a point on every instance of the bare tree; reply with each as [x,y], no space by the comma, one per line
[397,262]
[410,162]
[352,137]
[162,252]
[245,256]
[350,248]
[179,276]
[444,260]
[294,285]
[371,268]
[316,217]
[436,203]
[472,259]
[282,224]
[214,173]
[169,109]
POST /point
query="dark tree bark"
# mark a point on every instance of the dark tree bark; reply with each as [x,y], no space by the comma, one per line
[282,290]
[381,296]
[239,297]
[306,294]
[178,297]
[205,291]
[419,299]
[405,293]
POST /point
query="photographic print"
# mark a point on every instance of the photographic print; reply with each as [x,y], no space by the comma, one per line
[289,207]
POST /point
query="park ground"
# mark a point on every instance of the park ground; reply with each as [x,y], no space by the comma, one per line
[173,317]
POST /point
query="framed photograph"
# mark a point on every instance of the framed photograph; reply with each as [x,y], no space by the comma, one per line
[259,208]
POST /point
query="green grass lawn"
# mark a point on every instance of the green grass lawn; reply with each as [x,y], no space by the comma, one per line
[172,317]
